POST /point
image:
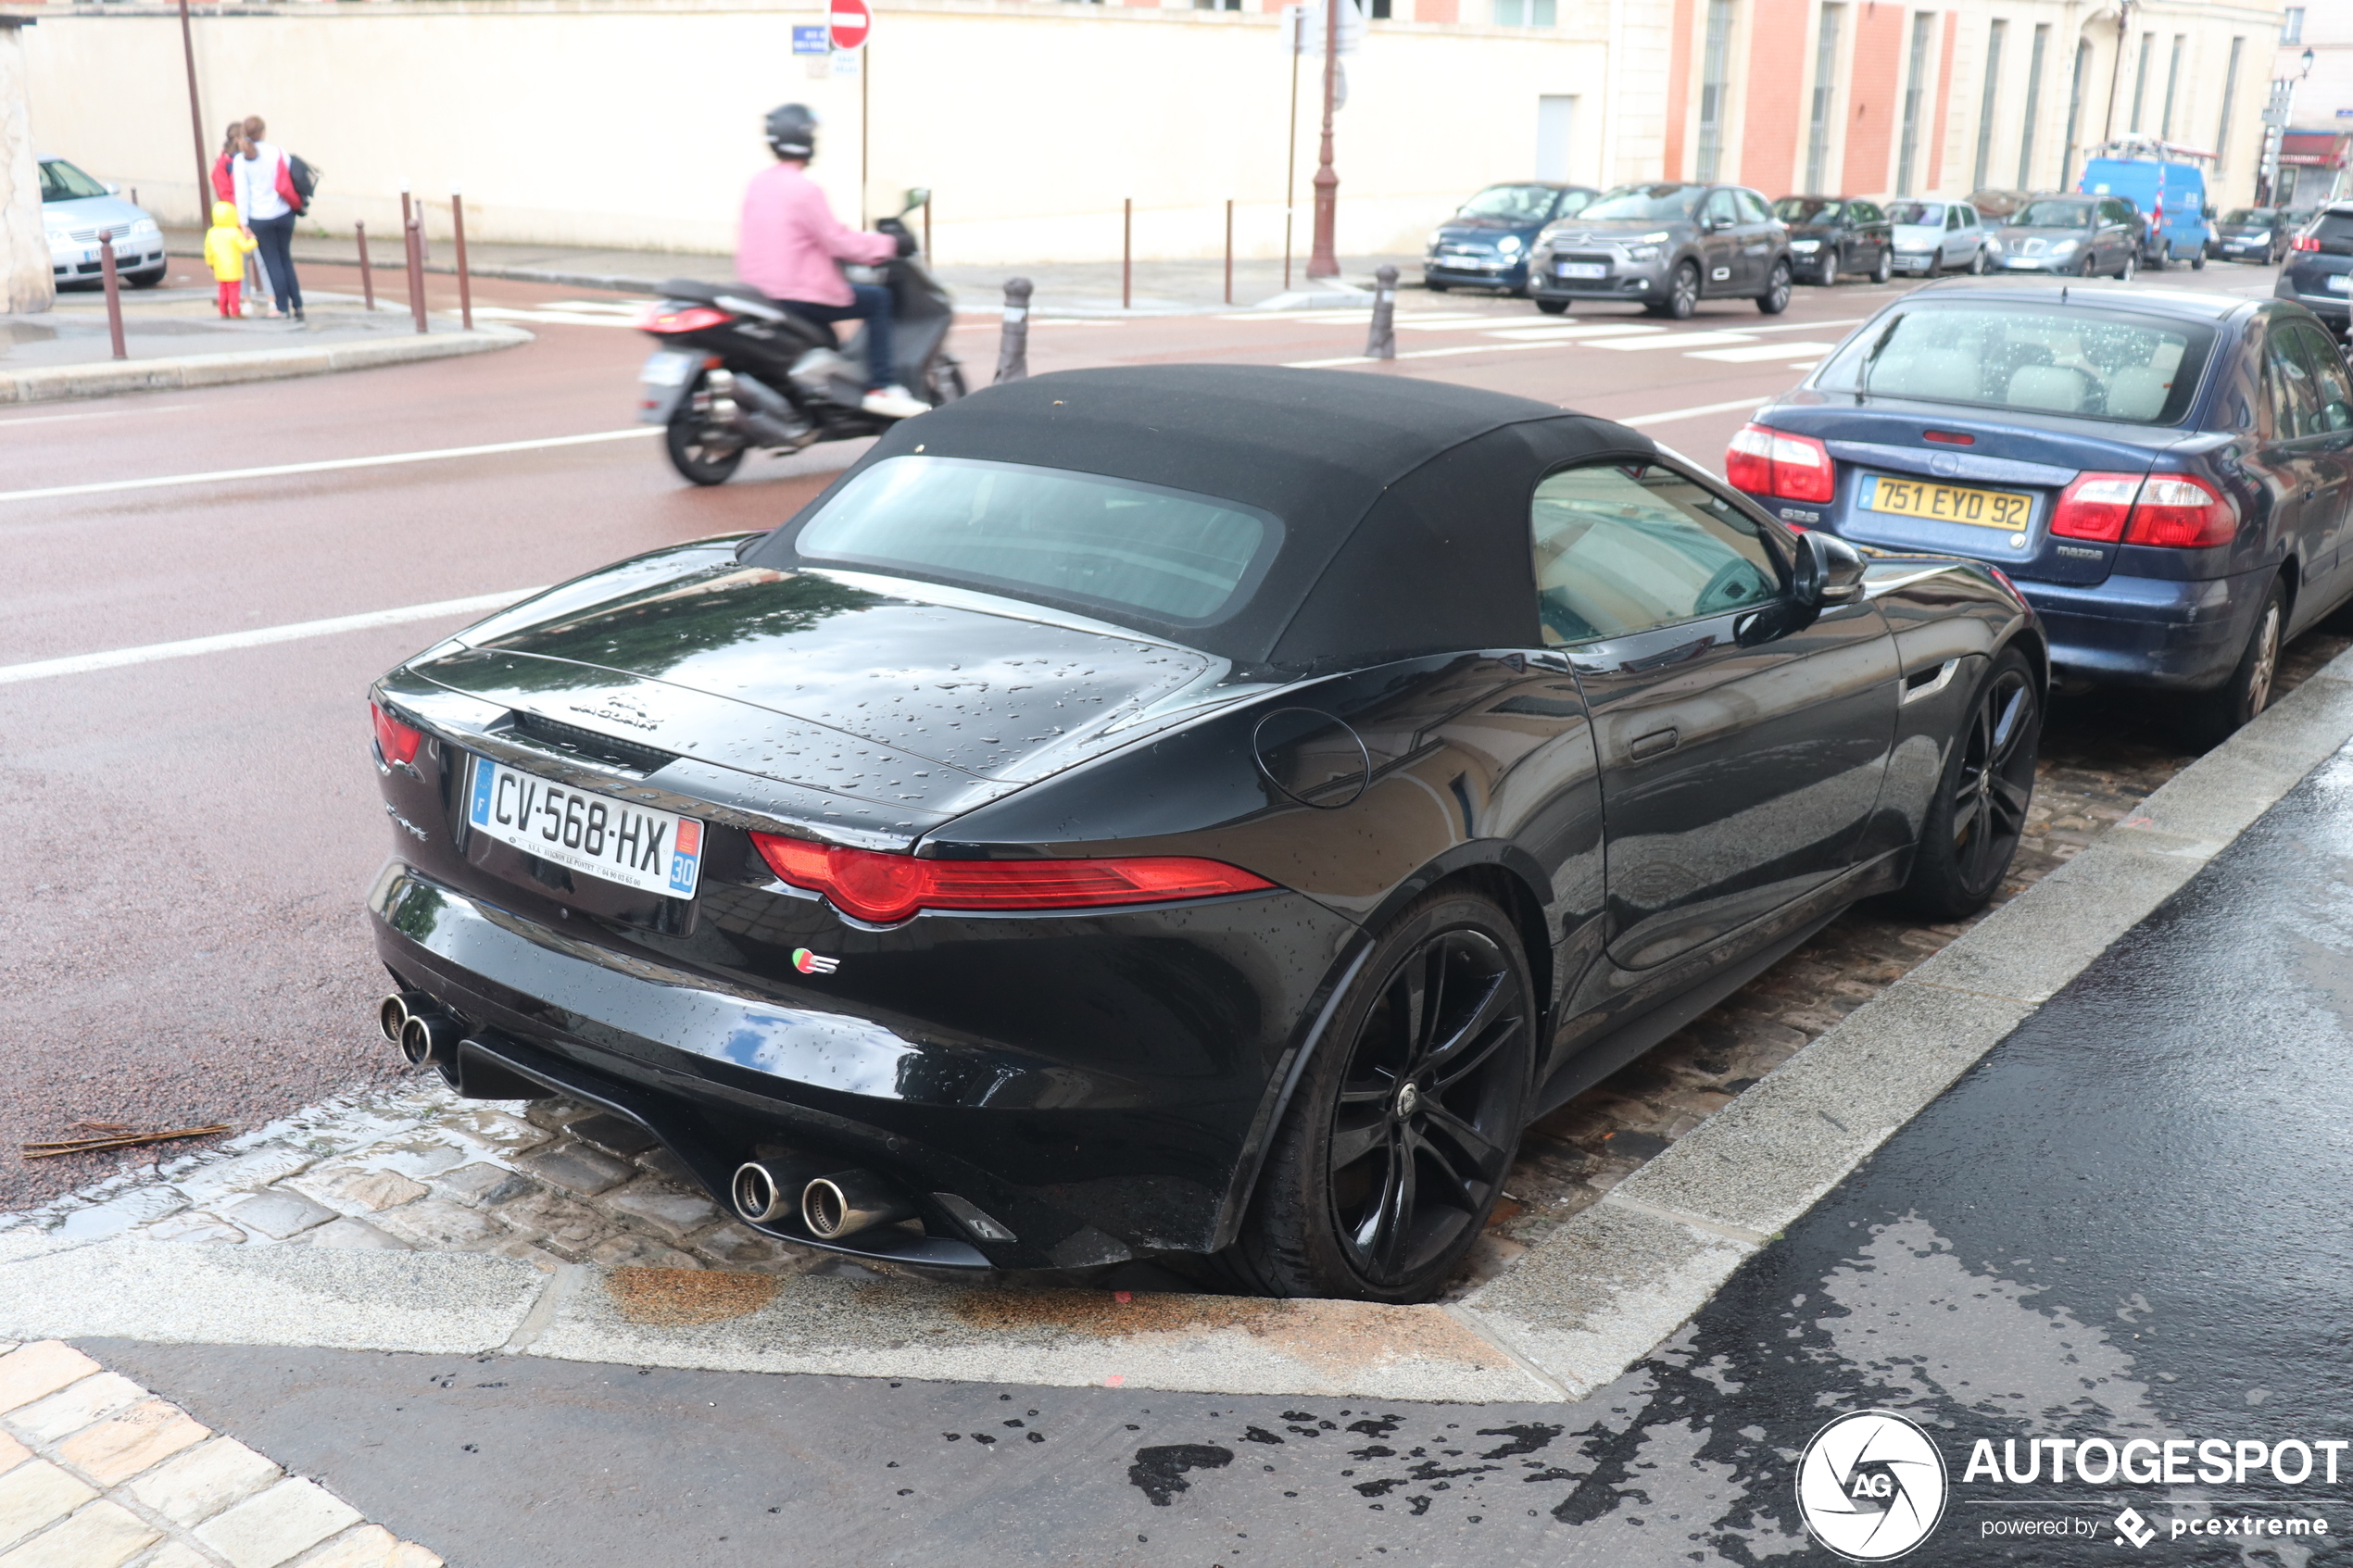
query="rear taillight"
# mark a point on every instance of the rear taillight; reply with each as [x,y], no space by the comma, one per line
[2165,509]
[2304,242]
[2095,507]
[668,319]
[399,742]
[2181,514]
[883,889]
[1765,462]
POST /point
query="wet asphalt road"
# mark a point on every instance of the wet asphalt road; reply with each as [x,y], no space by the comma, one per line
[2127,1222]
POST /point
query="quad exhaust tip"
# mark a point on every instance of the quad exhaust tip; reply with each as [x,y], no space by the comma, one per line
[391,1013]
[763,1193]
[849,1201]
[426,1037]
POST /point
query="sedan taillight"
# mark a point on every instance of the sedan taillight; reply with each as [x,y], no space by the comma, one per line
[1765,462]
[399,742]
[2164,509]
[883,889]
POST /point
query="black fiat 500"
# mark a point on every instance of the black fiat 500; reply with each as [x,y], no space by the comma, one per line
[1176,810]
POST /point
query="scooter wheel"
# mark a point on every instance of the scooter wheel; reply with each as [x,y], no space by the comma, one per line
[698,459]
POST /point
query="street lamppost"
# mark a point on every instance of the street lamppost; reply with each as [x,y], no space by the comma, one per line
[1322,262]
[2275,135]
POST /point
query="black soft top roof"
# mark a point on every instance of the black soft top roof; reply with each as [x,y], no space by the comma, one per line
[1404,503]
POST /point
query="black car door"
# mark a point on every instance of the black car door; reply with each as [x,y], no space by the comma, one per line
[1719,244]
[1732,779]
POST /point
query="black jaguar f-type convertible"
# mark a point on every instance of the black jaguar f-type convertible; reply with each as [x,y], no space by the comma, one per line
[1179,810]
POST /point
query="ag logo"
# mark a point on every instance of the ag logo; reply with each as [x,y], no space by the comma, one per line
[1870,1486]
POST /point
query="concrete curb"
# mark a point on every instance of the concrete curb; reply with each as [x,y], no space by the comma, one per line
[51,383]
[1591,1299]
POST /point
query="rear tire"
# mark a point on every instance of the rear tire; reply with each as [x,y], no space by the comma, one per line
[1979,813]
[1775,299]
[698,460]
[2213,717]
[1401,1132]
[2197,262]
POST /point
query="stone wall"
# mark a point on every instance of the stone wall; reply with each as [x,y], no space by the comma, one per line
[25,283]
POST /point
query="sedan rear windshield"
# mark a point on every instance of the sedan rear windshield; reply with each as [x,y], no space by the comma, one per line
[1654,203]
[1515,204]
[2094,365]
[1916,213]
[1038,532]
[2053,215]
[61,182]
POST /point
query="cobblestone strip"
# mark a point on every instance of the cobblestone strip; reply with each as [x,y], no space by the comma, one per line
[97,1473]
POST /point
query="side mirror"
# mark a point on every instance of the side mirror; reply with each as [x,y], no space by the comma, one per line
[112,189]
[917,197]
[1828,571]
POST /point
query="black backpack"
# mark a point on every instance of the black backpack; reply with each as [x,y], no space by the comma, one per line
[306,181]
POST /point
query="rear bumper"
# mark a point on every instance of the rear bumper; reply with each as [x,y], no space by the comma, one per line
[2336,308]
[2149,630]
[1097,1137]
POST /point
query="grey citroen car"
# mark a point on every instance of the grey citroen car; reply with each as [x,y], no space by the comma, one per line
[1664,247]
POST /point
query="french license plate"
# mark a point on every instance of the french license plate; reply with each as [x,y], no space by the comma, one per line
[2341,283]
[652,851]
[1581,270]
[1947,503]
[669,368]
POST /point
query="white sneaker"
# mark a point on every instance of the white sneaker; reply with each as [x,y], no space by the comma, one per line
[894,403]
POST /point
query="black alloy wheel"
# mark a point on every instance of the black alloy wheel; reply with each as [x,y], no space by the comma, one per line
[1886,268]
[2214,716]
[1775,299]
[1682,293]
[1402,1131]
[1979,813]
[700,454]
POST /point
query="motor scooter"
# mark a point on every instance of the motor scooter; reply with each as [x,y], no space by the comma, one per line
[737,371]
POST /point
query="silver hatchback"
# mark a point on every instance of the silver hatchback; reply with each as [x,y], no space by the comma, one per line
[75,209]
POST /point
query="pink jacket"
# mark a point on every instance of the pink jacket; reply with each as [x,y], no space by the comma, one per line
[790,240]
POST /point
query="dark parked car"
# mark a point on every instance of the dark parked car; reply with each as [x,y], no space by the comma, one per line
[2319,274]
[1486,244]
[1829,236]
[2250,233]
[1666,248]
[1186,810]
[2084,236]
[2166,476]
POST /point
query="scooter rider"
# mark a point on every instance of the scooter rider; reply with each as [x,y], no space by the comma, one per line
[790,243]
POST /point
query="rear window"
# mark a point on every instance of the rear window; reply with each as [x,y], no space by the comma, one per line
[2335,231]
[1035,533]
[2137,368]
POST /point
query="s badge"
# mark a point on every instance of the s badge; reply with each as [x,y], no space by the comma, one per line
[811,963]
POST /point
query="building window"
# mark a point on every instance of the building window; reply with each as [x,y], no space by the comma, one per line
[2141,79]
[1987,101]
[2033,107]
[1380,11]
[1714,66]
[1915,93]
[2074,108]
[2172,83]
[1523,13]
[2230,102]
[2292,25]
[1818,130]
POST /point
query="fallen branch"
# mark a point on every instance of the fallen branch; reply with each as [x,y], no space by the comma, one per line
[114,1139]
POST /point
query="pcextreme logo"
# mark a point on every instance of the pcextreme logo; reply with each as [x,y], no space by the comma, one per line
[1871,1486]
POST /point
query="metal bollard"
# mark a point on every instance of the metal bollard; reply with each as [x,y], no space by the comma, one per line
[1381,342]
[415,238]
[1013,343]
[1229,250]
[114,291]
[367,278]
[465,283]
[1127,253]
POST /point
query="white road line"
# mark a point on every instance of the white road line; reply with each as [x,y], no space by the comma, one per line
[1757,352]
[1575,333]
[325,466]
[1809,326]
[1679,340]
[83,663]
[1673,414]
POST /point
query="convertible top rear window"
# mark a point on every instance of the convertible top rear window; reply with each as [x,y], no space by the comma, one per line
[1085,539]
[2099,365]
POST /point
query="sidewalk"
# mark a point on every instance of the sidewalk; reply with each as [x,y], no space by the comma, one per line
[1063,288]
[175,338]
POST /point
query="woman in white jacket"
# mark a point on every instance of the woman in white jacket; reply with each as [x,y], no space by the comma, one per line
[255,172]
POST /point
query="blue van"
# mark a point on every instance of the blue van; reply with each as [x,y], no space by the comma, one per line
[2170,195]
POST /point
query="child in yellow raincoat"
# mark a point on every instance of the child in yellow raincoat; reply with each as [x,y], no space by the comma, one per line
[225,246]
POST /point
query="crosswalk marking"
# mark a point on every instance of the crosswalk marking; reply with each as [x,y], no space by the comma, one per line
[1679,340]
[1796,349]
[1574,334]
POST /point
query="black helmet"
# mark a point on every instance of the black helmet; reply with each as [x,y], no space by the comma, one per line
[792,131]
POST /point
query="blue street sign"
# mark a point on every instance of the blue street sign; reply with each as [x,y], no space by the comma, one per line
[810,41]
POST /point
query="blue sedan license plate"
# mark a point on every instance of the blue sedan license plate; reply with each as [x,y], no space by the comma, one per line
[652,851]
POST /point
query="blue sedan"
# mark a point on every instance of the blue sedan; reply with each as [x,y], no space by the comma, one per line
[2167,477]
[1485,244]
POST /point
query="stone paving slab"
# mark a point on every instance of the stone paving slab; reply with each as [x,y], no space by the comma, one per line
[359,1222]
[97,1473]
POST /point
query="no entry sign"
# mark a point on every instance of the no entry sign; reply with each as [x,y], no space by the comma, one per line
[852,21]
